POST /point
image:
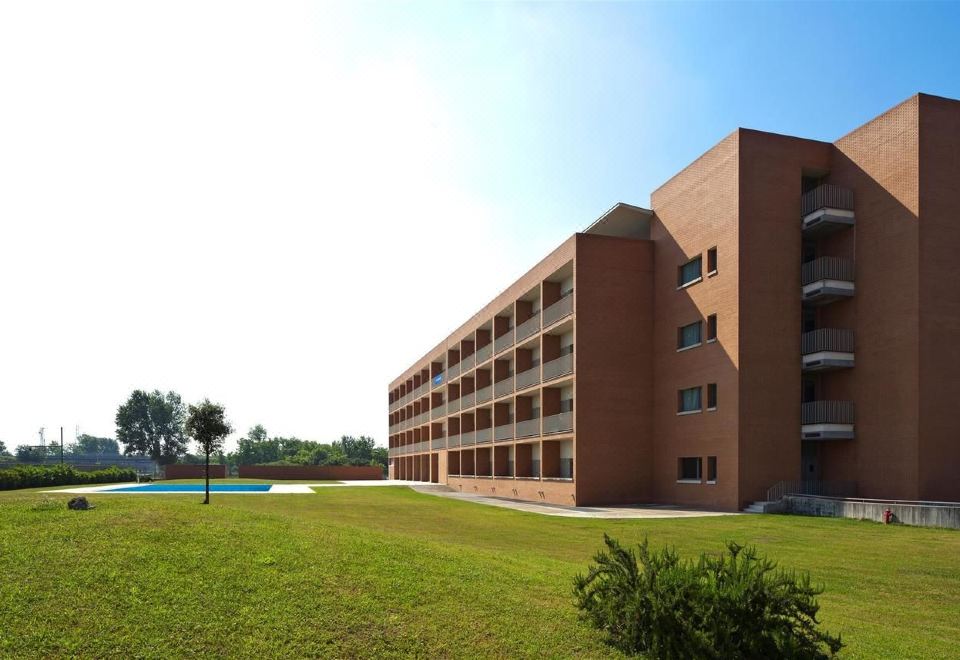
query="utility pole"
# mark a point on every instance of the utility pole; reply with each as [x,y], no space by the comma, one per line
[61,445]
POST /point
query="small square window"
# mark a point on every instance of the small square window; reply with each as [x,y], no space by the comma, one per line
[712,327]
[711,396]
[711,469]
[690,272]
[688,400]
[688,335]
[711,261]
[689,468]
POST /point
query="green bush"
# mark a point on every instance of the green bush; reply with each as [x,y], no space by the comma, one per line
[35,476]
[735,605]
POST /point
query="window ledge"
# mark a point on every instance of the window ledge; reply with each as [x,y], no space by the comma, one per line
[689,412]
[689,481]
[712,341]
[528,478]
[713,409]
[690,283]
[712,273]
[687,348]
[558,479]
[712,483]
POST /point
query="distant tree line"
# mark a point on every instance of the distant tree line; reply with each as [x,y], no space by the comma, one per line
[86,446]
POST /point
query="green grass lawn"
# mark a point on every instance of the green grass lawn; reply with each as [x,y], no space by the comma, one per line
[360,572]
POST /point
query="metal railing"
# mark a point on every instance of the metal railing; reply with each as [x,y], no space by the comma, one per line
[827,268]
[822,488]
[827,412]
[503,342]
[468,438]
[561,366]
[484,353]
[559,309]
[503,432]
[483,435]
[826,196]
[484,394]
[503,387]
[528,377]
[827,339]
[528,428]
[529,327]
[558,423]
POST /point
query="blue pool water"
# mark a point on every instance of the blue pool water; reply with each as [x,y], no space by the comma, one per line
[193,488]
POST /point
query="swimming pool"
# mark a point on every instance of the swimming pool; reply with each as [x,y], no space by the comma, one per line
[193,488]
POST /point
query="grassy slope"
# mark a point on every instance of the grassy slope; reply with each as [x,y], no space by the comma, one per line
[390,572]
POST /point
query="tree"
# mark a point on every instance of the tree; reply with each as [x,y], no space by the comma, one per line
[89,444]
[3,449]
[151,424]
[207,425]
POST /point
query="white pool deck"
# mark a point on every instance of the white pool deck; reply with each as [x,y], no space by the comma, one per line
[611,512]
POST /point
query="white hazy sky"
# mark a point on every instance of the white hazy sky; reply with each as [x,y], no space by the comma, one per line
[281,205]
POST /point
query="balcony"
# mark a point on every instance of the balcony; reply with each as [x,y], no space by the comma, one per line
[503,342]
[484,394]
[503,432]
[529,327]
[453,406]
[438,443]
[467,362]
[827,420]
[558,310]
[467,439]
[466,401]
[453,440]
[438,412]
[483,436]
[483,353]
[825,210]
[528,428]
[560,423]
[827,279]
[453,371]
[825,349]
[561,366]
[438,380]
[503,387]
[528,378]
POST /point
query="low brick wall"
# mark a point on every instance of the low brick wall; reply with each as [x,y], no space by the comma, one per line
[185,471]
[318,472]
[921,514]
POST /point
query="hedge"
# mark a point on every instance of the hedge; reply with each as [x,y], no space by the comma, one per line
[33,476]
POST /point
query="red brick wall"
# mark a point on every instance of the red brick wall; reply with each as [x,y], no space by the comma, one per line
[183,471]
[319,472]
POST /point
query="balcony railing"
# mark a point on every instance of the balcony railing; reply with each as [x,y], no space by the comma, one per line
[503,387]
[821,488]
[438,411]
[529,377]
[483,435]
[453,406]
[503,342]
[503,432]
[559,309]
[468,438]
[827,268]
[467,362]
[484,394]
[827,412]
[529,327]
[453,371]
[561,366]
[484,353]
[453,440]
[438,443]
[566,468]
[558,423]
[826,196]
[466,400]
[528,428]
[826,339]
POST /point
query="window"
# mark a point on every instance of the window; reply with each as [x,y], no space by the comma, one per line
[566,405]
[712,327]
[712,396]
[689,468]
[711,469]
[689,272]
[688,400]
[711,261]
[688,336]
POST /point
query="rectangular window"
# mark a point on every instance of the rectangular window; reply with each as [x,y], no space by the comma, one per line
[712,327]
[712,396]
[688,335]
[711,261]
[688,400]
[689,468]
[711,469]
[689,272]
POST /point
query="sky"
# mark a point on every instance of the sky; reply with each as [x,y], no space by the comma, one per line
[282,205]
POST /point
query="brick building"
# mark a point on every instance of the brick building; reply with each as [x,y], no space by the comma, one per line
[786,312]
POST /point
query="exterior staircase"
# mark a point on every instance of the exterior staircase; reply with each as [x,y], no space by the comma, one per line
[756,507]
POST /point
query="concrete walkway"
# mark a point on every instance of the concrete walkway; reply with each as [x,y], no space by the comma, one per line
[624,512]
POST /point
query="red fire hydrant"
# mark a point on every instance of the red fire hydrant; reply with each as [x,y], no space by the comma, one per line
[887,517]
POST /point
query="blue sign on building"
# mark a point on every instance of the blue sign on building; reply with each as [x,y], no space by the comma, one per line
[438,379]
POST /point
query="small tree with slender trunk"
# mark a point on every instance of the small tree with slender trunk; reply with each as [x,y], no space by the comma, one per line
[208,426]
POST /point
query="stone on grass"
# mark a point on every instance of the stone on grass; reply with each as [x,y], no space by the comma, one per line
[79,504]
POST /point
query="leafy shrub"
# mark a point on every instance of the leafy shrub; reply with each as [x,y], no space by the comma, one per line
[735,605]
[35,476]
